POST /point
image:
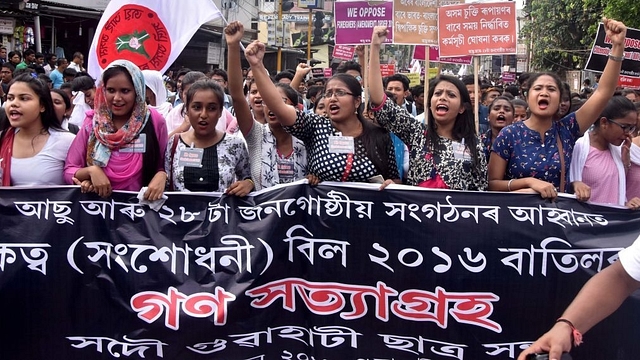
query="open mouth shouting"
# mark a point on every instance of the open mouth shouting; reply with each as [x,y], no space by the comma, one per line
[334,109]
[543,104]
[14,115]
[442,109]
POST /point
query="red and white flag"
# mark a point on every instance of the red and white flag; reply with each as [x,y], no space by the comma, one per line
[149,33]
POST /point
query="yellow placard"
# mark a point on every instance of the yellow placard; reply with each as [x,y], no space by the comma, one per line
[414,79]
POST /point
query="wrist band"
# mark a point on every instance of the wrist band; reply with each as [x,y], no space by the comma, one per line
[509,184]
[575,334]
[616,58]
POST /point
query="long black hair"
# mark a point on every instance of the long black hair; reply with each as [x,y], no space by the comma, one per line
[464,126]
[376,140]
[618,107]
[48,116]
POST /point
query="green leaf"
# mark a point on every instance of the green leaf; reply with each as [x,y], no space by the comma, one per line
[133,42]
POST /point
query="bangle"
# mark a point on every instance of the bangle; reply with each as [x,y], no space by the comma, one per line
[509,184]
[251,181]
[616,58]
[575,334]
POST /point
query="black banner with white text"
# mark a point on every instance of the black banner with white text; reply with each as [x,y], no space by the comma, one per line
[300,272]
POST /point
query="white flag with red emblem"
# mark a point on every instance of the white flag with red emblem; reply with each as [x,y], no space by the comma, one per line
[149,33]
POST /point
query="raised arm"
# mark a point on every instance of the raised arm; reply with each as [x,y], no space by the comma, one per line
[376,88]
[233,34]
[284,113]
[301,71]
[590,111]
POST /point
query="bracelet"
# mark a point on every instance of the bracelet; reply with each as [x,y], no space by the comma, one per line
[509,184]
[616,58]
[575,334]
[252,183]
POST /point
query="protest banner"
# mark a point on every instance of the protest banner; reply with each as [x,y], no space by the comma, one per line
[602,46]
[419,52]
[317,73]
[416,22]
[149,33]
[328,72]
[414,79]
[508,76]
[334,271]
[477,29]
[343,52]
[629,82]
[355,21]
[387,69]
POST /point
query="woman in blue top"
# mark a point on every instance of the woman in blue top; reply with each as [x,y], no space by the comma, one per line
[527,154]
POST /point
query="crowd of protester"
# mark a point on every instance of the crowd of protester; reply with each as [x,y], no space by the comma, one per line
[242,130]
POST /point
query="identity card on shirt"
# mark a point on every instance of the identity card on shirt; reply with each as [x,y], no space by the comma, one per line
[191,157]
[341,144]
[139,145]
[460,151]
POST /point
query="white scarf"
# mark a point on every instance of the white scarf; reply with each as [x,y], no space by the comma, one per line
[580,154]
[635,154]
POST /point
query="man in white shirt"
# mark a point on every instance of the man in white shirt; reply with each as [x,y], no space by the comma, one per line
[76,63]
[52,59]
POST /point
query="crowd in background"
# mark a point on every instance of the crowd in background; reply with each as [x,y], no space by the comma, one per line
[239,130]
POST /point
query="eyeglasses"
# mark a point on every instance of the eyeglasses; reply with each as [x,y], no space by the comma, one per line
[339,93]
[625,127]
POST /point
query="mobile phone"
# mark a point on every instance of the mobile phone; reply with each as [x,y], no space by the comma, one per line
[545,356]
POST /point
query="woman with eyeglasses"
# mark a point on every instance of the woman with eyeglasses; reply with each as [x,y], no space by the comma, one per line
[341,147]
[598,172]
[535,154]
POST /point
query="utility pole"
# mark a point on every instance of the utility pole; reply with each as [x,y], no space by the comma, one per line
[279,58]
[226,4]
[309,34]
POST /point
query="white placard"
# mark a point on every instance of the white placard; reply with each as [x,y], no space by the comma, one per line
[7,25]
[214,51]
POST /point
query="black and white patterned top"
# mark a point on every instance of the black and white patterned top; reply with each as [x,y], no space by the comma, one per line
[315,130]
[230,162]
[425,165]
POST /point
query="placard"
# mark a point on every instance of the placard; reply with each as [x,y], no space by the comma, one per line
[416,22]
[477,29]
[602,46]
[355,20]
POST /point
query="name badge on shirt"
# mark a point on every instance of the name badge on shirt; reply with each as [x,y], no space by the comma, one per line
[191,157]
[139,145]
[460,152]
[341,144]
[285,170]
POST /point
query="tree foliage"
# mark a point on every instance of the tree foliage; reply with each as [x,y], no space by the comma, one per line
[627,11]
[561,32]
